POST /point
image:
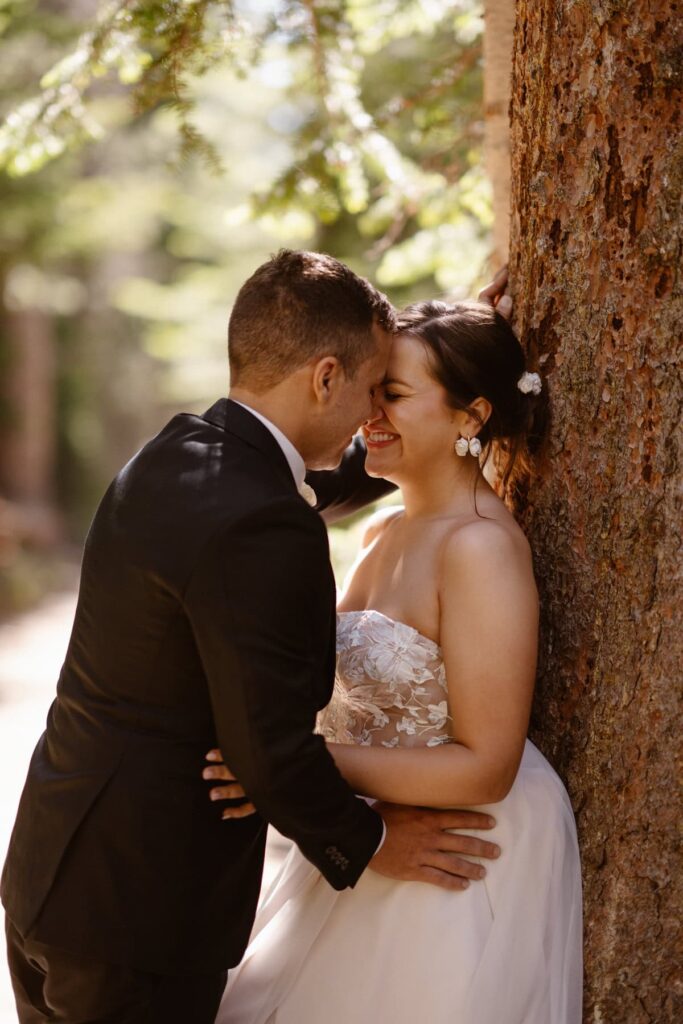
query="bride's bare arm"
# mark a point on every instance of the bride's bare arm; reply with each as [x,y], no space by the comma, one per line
[489,626]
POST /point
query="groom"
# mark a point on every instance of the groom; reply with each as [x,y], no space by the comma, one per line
[206,617]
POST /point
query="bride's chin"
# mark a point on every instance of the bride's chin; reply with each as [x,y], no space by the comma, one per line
[375,468]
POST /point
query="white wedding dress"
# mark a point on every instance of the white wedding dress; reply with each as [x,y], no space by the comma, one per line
[505,951]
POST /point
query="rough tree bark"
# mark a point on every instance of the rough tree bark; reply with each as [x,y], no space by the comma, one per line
[499,20]
[596,244]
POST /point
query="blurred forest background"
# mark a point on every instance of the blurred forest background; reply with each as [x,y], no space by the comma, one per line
[354,128]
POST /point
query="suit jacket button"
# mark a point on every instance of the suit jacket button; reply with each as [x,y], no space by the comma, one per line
[337,858]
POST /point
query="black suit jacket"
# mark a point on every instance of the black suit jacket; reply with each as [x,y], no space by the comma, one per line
[206,616]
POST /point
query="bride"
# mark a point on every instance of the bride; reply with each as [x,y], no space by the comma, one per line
[436,657]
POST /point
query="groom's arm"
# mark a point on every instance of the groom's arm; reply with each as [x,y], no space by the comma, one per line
[259,606]
[348,488]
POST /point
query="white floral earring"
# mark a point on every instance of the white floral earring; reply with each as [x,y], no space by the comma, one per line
[468,444]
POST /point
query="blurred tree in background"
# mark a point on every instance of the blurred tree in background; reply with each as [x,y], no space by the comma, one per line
[152,155]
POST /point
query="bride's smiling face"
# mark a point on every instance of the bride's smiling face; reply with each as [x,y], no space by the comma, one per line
[415,426]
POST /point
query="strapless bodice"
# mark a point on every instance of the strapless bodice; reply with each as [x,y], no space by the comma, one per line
[390,685]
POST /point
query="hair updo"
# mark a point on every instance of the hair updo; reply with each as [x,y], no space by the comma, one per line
[474,353]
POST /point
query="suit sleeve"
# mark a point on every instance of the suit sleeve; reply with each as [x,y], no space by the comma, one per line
[259,605]
[347,489]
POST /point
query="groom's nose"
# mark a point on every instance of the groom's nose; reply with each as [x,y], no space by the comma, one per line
[376,411]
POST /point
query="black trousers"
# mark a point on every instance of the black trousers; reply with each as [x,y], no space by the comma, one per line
[53,985]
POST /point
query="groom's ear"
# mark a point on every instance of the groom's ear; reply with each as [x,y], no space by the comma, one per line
[327,374]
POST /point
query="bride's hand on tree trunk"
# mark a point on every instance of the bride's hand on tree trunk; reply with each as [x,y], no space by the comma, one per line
[495,294]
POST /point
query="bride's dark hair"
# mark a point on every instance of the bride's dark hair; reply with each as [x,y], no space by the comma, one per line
[474,353]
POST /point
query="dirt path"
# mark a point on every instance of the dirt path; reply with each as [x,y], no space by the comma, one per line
[31,652]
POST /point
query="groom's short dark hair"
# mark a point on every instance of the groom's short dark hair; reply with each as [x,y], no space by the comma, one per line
[299,305]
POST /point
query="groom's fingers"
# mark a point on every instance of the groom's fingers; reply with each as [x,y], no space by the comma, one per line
[458,866]
[463,819]
[470,846]
[231,792]
[442,879]
[218,771]
[243,811]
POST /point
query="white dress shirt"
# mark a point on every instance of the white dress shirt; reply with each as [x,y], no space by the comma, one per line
[298,468]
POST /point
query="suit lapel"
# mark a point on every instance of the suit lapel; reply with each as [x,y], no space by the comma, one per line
[237,420]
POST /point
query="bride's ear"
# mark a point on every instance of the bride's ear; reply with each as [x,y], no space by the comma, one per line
[326,377]
[480,410]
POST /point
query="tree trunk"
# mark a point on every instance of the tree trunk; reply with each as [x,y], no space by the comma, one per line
[596,244]
[28,450]
[499,20]
[28,436]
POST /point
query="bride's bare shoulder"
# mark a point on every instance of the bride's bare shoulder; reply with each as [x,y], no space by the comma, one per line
[487,541]
[378,522]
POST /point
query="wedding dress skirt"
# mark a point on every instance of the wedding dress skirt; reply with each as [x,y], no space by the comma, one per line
[505,951]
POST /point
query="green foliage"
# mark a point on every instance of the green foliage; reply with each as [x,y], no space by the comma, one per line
[155,44]
[388,102]
[382,112]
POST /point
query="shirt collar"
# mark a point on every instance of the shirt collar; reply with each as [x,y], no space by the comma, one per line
[294,459]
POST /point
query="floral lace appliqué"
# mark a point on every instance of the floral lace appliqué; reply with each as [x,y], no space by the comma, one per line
[390,686]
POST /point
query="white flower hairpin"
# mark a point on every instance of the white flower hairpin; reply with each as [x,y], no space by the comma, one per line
[530,383]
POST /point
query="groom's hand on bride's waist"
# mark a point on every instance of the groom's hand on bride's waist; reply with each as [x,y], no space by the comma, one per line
[418,848]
